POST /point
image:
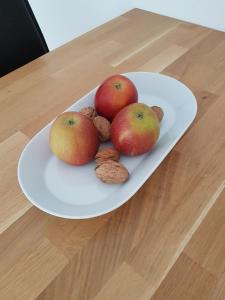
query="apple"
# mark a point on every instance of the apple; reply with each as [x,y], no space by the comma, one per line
[135,129]
[73,138]
[113,94]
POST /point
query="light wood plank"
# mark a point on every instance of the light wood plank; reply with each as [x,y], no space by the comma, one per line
[163,59]
[127,54]
[32,273]
[188,281]
[194,68]
[132,288]
[207,246]
[13,203]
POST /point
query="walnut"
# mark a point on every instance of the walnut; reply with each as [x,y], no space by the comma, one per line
[106,154]
[112,172]
[89,112]
[103,127]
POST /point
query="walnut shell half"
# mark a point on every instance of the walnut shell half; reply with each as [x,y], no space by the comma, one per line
[112,172]
[106,154]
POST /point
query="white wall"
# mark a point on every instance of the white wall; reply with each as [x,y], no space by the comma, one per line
[210,13]
[63,20]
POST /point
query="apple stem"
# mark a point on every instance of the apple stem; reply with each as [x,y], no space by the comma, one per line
[117,85]
[140,116]
[70,122]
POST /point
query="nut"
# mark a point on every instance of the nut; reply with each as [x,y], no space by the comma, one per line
[106,154]
[159,112]
[103,127]
[89,112]
[112,172]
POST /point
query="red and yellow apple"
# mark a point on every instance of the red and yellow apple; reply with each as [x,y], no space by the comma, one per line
[74,138]
[135,129]
[113,94]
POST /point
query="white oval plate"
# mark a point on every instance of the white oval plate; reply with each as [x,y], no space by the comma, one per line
[75,192]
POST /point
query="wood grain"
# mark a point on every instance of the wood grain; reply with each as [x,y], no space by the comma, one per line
[167,242]
[43,259]
[186,280]
[13,204]
[131,289]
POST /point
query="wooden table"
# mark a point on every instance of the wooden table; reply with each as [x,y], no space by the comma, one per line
[168,241]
